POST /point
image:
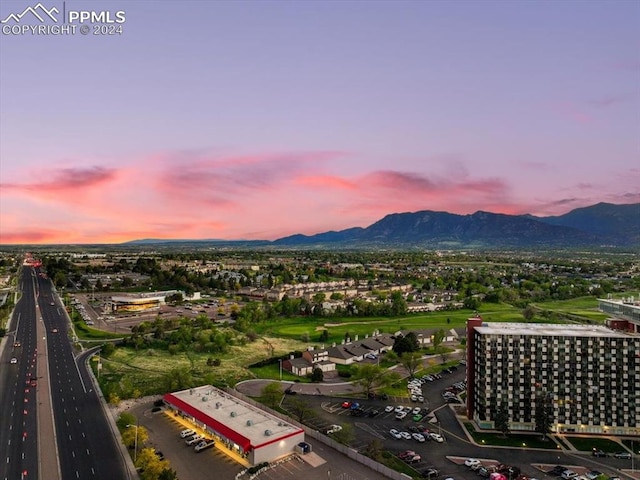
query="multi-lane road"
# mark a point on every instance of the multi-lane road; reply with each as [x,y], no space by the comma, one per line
[78,443]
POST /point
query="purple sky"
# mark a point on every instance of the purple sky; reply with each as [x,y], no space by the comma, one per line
[267,118]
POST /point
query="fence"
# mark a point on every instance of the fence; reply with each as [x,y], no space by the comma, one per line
[349,452]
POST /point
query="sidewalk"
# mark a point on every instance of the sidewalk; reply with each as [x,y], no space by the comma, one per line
[49,462]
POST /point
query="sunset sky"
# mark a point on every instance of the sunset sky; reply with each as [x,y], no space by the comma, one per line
[261,119]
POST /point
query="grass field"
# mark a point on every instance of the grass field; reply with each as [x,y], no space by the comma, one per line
[587,444]
[512,440]
[297,328]
[149,371]
[586,307]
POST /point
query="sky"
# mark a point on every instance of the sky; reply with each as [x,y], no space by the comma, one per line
[261,119]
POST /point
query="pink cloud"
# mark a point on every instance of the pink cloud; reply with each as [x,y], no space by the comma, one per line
[65,179]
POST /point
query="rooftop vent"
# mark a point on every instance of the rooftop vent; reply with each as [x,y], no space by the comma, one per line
[268,433]
[218,404]
[234,414]
[204,399]
[249,423]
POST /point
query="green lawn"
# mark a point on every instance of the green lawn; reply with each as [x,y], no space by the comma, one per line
[297,328]
[633,445]
[522,440]
[273,372]
[587,444]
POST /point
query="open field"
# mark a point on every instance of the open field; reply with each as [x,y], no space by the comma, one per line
[297,328]
[152,371]
[584,307]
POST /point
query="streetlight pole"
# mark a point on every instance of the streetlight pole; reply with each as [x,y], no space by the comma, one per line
[135,447]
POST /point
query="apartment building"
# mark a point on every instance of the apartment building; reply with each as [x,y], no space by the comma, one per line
[591,375]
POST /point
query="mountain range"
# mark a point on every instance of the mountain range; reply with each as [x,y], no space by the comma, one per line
[603,224]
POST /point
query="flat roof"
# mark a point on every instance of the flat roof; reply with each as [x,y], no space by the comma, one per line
[235,419]
[137,299]
[549,329]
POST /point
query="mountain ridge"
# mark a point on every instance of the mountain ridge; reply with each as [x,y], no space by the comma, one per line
[602,224]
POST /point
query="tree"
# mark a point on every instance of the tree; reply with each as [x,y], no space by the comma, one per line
[129,436]
[411,361]
[371,376]
[300,408]
[502,419]
[125,419]
[150,464]
[406,343]
[398,304]
[317,375]
[375,449]
[438,338]
[529,313]
[544,413]
[271,394]
[324,335]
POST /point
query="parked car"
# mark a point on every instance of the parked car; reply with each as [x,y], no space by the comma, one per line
[600,453]
[346,404]
[187,433]
[399,409]
[194,440]
[395,434]
[401,415]
[593,474]
[436,437]
[624,455]
[568,474]
[406,435]
[388,408]
[471,461]
[334,429]
[413,459]
[430,473]
[557,470]
[406,453]
[204,444]
[418,437]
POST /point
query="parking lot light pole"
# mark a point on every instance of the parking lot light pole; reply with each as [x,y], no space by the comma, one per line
[135,451]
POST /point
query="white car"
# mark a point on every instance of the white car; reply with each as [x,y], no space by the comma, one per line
[334,429]
[569,474]
[399,409]
[388,408]
[395,434]
[470,462]
[406,435]
[401,415]
[419,437]
[194,440]
[187,433]
[416,410]
[14,360]
[436,437]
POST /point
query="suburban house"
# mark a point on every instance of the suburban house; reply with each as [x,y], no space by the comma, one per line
[310,360]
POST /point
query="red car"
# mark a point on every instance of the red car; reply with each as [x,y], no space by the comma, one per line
[346,404]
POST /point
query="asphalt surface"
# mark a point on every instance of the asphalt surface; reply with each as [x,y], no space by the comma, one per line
[18,435]
[54,427]
[447,457]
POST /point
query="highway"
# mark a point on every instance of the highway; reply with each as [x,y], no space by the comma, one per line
[78,442]
[18,435]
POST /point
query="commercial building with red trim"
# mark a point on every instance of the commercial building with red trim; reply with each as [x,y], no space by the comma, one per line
[250,431]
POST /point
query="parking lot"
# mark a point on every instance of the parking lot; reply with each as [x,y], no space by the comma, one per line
[164,436]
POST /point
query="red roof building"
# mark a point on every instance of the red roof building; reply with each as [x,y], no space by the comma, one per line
[253,433]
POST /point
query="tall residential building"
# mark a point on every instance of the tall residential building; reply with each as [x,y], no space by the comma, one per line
[590,374]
